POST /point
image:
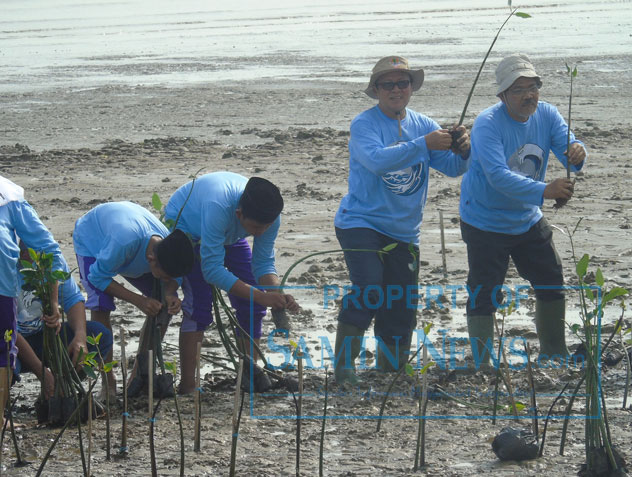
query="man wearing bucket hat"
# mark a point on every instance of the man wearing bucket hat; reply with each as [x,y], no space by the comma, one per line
[391,149]
[219,210]
[501,196]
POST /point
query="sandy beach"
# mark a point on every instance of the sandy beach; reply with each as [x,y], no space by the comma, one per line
[72,148]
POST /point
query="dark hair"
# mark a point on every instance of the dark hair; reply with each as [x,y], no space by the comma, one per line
[175,254]
[261,201]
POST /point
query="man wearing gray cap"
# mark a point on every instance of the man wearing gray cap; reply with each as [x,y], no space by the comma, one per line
[390,152]
[501,196]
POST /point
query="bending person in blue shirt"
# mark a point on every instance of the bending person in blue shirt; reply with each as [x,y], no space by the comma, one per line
[501,196]
[123,238]
[73,332]
[220,212]
[19,219]
[391,151]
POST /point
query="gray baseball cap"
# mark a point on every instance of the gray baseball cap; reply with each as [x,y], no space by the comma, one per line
[513,67]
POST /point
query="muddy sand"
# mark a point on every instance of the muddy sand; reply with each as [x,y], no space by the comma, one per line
[74,149]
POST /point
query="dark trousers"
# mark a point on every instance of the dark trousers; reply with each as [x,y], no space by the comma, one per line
[533,253]
[377,283]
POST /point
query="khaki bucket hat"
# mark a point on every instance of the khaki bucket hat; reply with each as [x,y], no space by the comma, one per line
[393,63]
[513,67]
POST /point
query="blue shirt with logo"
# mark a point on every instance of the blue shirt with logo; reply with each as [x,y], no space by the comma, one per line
[503,189]
[388,174]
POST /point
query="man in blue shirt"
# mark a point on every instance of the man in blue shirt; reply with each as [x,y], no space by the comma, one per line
[219,210]
[123,238]
[501,196]
[391,151]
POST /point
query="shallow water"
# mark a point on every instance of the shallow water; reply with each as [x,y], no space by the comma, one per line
[94,43]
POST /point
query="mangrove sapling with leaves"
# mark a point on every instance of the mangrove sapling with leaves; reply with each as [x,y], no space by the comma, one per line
[38,277]
[572,73]
[601,458]
[513,11]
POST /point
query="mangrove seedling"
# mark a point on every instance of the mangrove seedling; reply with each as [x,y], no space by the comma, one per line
[513,11]
[572,73]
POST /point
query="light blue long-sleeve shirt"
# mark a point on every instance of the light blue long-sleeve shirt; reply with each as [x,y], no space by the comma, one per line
[209,216]
[18,217]
[388,174]
[503,189]
[116,234]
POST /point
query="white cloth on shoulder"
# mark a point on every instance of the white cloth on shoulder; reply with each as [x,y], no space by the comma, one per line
[9,191]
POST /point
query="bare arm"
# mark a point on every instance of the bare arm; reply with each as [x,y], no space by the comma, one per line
[149,306]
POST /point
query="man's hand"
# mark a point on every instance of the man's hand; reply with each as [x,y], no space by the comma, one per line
[74,349]
[173,304]
[559,189]
[277,301]
[49,384]
[576,154]
[54,320]
[438,140]
[462,147]
[149,306]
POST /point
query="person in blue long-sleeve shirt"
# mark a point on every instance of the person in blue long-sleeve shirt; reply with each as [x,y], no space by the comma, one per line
[19,219]
[391,151]
[501,196]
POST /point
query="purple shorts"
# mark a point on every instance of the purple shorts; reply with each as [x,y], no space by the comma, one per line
[98,300]
[8,321]
[198,295]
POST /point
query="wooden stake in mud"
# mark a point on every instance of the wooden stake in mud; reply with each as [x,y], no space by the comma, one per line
[299,410]
[198,403]
[445,266]
[123,449]
[89,431]
[236,414]
[150,382]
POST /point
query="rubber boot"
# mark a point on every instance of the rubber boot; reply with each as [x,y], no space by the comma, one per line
[400,352]
[345,371]
[481,331]
[549,323]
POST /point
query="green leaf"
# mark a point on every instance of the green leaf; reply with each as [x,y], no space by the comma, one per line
[575,72]
[599,280]
[156,202]
[427,328]
[425,368]
[614,293]
[26,264]
[171,367]
[8,335]
[522,15]
[575,328]
[33,255]
[293,344]
[582,266]
[60,275]
[410,371]
[389,247]
[107,367]
[89,372]
[91,340]
[520,406]
[589,293]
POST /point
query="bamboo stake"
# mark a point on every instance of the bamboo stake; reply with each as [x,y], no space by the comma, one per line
[196,439]
[89,429]
[534,404]
[150,382]
[123,449]
[299,407]
[236,414]
[443,259]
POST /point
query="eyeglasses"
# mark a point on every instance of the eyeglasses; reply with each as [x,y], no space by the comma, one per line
[389,85]
[523,91]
